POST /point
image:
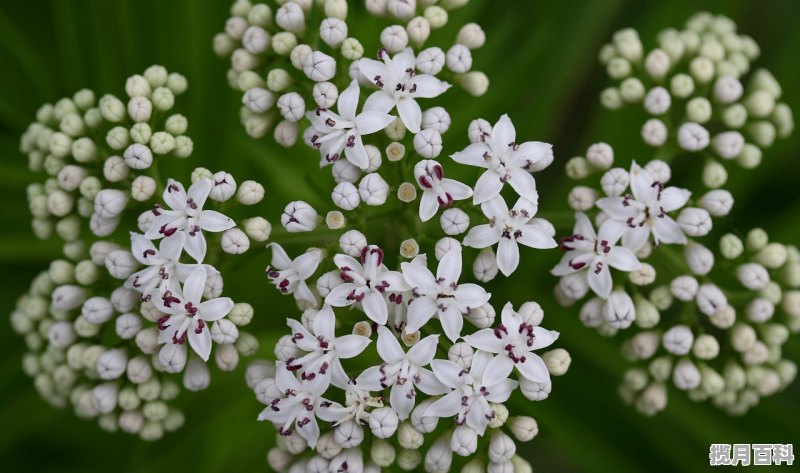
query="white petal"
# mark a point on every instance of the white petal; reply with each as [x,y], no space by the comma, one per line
[193,287]
[543,338]
[144,250]
[423,351]
[199,191]
[452,322]
[372,121]
[471,295]
[502,391]
[446,406]
[673,198]
[370,68]
[388,347]
[418,276]
[600,280]
[534,237]
[623,259]
[642,184]
[410,113]
[196,246]
[307,263]
[349,346]
[485,340]
[428,205]
[503,134]
[338,295]
[370,379]
[615,209]
[472,155]
[402,398]
[214,309]
[324,323]
[635,238]
[171,248]
[524,184]
[348,101]
[449,269]
[534,369]
[280,259]
[428,86]
[457,190]
[303,293]
[498,369]
[495,207]
[213,221]
[420,312]
[488,187]
[667,230]
[481,236]
[507,256]
[375,307]
[447,372]
[175,195]
[379,101]
[429,384]
[309,431]
[583,226]
[200,342]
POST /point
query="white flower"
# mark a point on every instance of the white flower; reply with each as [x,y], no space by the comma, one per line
[514,341]
[399,86]
[509,228]
[636,216]
[505,161]
[441,294]
[321,363]
[402,371]
[335,133]
[289,276]
[594,255]
[471,393]
[298,409]
[162,264]
[187,317]
[366,282]
[186,215]
[437,190]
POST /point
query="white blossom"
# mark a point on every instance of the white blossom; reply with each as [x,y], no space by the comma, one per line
[289,276]
[437,190]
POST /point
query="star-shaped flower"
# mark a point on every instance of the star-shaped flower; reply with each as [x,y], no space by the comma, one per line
[441,294]
[289,276]
[402,371]
[321,364]
[514,341]
[509,228]
[470,393]
[505,161]
[298,408]
[437,190]
[187,318]
[335,133]
[399,86]
[366,282]
[162,264]
[594,255]
[636,216]
[186,215]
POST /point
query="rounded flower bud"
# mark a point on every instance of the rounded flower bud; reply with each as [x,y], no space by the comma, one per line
[475,83]
[290,17]
[710,299]
[464,440]
[717,202]
[729,144]
[618,310]
[298,216]
[753,276]
[430,61]
[418,29]
[325,94]
[501,448]
[654,132]
[699,258]
[234,241]
[373,190]
[686,376]
[693,137]
[121,264]
[138,156]
[428,143]
[557,361]
[128,325]
[383,422]
[454,221]
[346,196]
[657,101]
[291,106]
[97,310]
[352,242]
[109,203]
[112,364]
[695,221]
[258,100]
[319,67]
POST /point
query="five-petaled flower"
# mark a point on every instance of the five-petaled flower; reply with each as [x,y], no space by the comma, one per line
[472,391]
[508,228]
[399,86]
[514,341]
[187,318]
[441,294]
[636,216]
[366,283]
[289,276]
[594,254]
[321,363]
[335,133]
[505,161]
[163,268]
[437,190]
[186,215]
[402,371]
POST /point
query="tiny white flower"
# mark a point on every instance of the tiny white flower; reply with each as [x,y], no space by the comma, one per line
[505,161]
[402,371]
[441,294]
[187,318]
[186,215]
[594,254]
[437,190]
[320,364]
[366,283]
[472,391]
[342,132]
[510,228]
[513,340]
[399,86]
[644,212]
[289,276]
[163,270]
[298,407]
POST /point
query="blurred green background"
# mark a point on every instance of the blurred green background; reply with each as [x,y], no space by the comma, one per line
[541,59]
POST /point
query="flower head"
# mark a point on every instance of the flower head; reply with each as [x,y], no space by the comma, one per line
[289,276]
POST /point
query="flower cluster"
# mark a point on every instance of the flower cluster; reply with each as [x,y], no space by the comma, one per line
[284,79]
[642,248]
[698,87]
[108,323]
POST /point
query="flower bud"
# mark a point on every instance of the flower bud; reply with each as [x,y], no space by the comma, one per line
[383,422]
[501,448]
[298,216]
[557,361]
[618,310]
[693,137]
[657,101]
[111,364]
[686,375]
[678,340]
[475,83]
[729,144]
[699,258]
[121,264]
[419,30]
[382,453]
[464,441]
[68,297]
[760,310]
[654,132]
[695,221]
[290,17]
[109,203]
[234,241]
[772,256]
[753,276]
[731,246]
[373,190]
[430,61]
[710,299]
[352,242]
